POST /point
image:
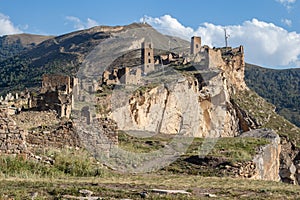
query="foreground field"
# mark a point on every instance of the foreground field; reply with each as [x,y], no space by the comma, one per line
[65,173]
[133,186]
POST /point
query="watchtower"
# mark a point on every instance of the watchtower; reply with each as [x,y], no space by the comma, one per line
[195,45]
[147,57]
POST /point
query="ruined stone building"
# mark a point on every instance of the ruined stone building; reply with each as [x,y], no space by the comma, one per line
[13,104]
[230,60]
[147,57]
[56,94]
[195,45]
[124,75]
[125,72]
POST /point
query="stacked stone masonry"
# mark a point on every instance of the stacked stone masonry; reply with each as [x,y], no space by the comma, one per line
[12,138]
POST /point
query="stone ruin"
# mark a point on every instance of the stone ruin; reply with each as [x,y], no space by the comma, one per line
[15,103]
[230,60]
[131,73]
[12,138]
[147,57]
[56,94]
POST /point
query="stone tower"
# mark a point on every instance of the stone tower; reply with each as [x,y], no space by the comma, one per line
[195,45]
[147,57]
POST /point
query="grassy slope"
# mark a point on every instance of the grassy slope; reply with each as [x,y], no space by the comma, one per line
[279,87]
[264,113]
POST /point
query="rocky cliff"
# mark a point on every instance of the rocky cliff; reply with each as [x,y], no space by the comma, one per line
[179,107]
[267,161]
[193,100]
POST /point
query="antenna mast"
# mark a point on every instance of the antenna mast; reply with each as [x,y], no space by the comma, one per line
[226,37]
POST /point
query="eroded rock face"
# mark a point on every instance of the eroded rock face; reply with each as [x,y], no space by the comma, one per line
[289,164]
[267,160]
[179,107]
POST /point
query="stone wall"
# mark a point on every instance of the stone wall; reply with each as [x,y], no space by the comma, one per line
[56,94]
[58,137]
[15,140]
[12,138]
[124,75]
[56,82]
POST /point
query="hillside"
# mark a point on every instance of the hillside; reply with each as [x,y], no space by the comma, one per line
[279,87]
[62,54]
[11,45]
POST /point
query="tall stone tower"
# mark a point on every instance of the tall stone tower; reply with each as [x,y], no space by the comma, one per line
[147,57]
[195,45]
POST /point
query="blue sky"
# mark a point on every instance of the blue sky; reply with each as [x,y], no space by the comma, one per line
[265,27]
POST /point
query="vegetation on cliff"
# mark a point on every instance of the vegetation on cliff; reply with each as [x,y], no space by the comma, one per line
[279,87]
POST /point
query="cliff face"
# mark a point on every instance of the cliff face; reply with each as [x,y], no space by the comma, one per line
[192,102]
[181,106]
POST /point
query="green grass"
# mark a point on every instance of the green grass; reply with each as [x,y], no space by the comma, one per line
[222,152]
[66,163]
[231,149]
[265,115]
[130,187]
[74,170]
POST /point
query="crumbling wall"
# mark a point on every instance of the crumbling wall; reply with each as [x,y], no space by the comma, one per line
[234,67]
[56,94]
[133,76]
[12,138]
[57,137]
[124,75]
[215,59]
[53,82]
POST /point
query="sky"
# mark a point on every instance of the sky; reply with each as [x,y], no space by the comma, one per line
[268,29]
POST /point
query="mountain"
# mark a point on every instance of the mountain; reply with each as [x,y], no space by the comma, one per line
[279,87]
[11,45]
[62,54]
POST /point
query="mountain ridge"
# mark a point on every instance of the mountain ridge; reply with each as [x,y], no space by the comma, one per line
[279,87]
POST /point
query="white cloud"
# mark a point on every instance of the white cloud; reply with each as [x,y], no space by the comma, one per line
[91,23]
[6,26]
[287,3]
[169,26]
[79,24]
[287,22]
[265,43]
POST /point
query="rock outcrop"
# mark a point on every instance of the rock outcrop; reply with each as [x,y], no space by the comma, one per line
[181,106]
[267,161]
